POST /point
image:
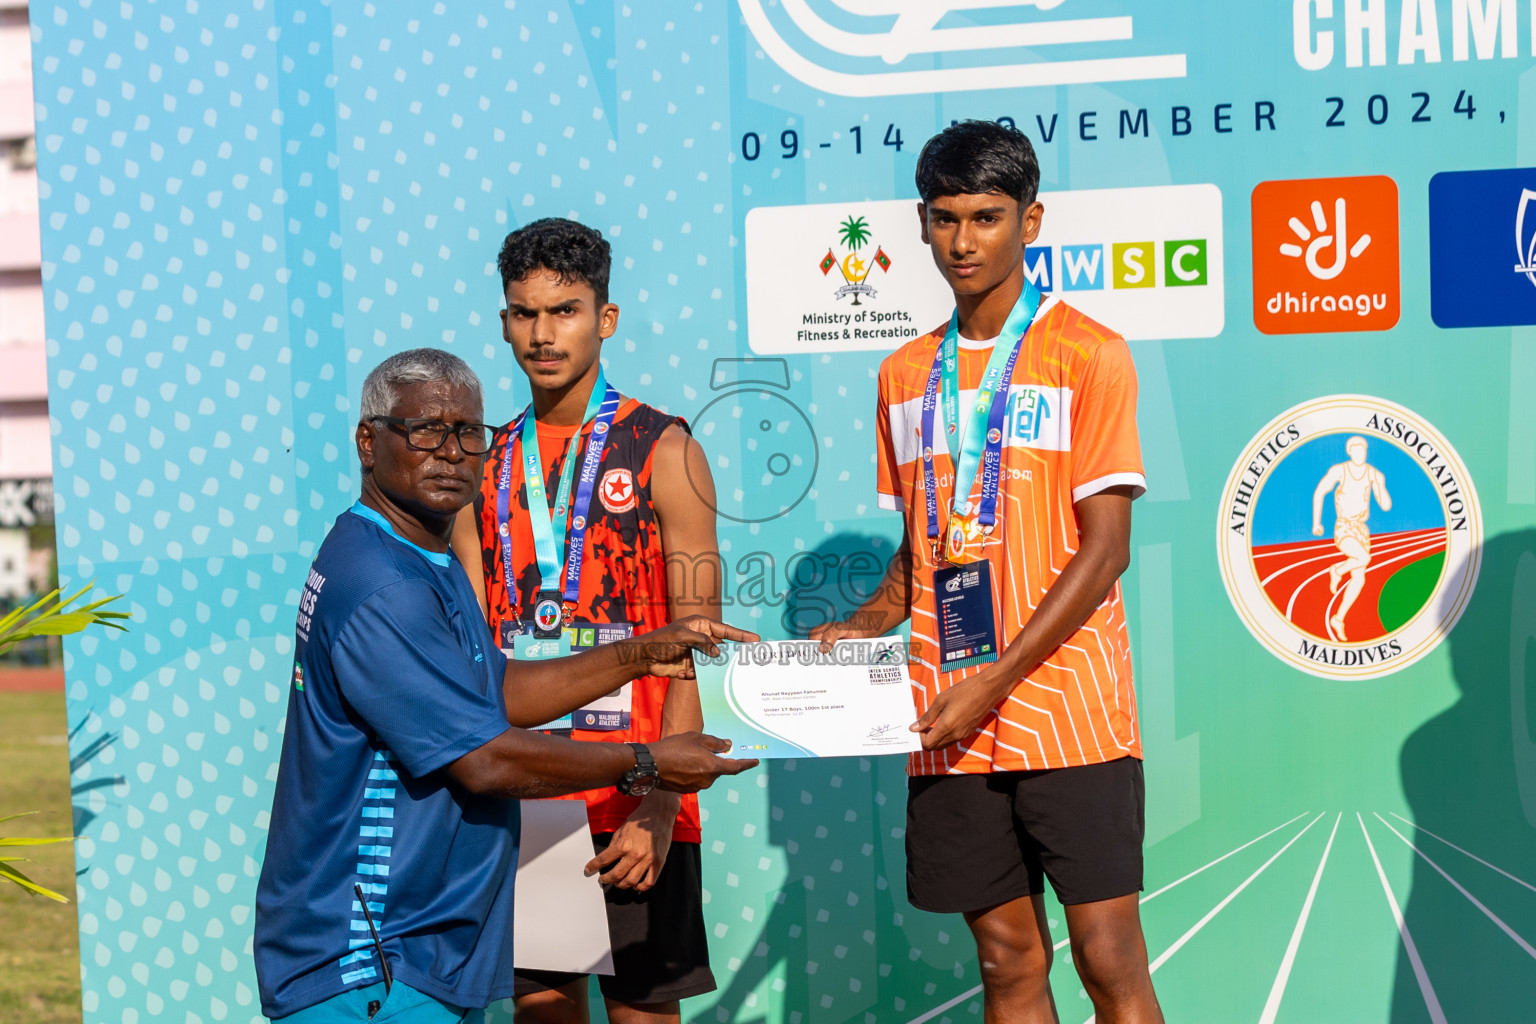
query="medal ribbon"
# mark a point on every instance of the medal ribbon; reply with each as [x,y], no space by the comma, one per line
[975,443]
[548,526]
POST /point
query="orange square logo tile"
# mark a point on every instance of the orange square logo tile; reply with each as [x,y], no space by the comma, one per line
[1325,255]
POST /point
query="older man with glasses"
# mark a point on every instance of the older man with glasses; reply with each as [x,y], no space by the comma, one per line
[387,889]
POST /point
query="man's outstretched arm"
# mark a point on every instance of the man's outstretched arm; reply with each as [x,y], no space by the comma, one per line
[1103,553]
[541,691]
[519,764]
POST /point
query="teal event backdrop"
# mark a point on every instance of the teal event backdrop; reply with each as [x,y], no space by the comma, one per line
[1314,221]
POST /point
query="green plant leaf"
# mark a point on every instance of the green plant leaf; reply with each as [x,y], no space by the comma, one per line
[6,871]
[51,616]
[33,841]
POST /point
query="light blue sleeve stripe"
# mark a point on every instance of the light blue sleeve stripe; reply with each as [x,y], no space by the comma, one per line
[366,972]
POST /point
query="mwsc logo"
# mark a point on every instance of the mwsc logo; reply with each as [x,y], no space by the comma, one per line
[1175,263]
[858,60]
[1146,262]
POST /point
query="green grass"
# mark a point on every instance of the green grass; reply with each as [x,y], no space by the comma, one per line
[39,941]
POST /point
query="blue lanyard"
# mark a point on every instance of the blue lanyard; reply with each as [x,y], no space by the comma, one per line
[981,442]
[549,528]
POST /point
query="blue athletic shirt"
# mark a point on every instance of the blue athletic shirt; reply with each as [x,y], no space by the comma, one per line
[395,676]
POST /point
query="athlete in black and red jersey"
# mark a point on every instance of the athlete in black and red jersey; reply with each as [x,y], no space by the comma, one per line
[621,539]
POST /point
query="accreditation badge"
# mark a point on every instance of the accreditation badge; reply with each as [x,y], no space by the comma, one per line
[967,627]
[520,641]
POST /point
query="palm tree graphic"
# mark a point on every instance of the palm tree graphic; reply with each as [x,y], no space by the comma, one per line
[854,232]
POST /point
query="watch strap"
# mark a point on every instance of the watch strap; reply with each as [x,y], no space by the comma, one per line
[645,767]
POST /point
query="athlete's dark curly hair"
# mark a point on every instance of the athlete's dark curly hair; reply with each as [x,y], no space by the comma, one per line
[574,251]
[976,157]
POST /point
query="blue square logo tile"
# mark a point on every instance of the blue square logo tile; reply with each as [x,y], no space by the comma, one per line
[1482,240]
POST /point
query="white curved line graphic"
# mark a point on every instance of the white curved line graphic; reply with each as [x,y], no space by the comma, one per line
[877,8]
[1332,555]
[907,83]
[739,712]
[914,33]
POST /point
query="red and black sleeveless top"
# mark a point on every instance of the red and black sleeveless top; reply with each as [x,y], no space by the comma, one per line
[623,577]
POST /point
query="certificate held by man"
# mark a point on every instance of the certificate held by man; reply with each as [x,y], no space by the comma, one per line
[788,698]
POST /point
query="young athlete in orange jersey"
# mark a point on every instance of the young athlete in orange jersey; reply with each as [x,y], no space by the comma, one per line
[555,275]
[1031,760]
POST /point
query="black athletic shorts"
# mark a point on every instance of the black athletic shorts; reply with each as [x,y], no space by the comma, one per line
[660,949]
[977,841]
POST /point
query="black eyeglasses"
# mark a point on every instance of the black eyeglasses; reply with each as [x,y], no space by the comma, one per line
[426,435]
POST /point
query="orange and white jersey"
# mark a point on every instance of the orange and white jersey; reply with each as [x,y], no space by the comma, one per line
[1070,431]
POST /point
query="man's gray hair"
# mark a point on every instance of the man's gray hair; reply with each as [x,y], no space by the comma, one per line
[412,367]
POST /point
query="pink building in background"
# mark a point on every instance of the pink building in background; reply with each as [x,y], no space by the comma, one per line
[25,464]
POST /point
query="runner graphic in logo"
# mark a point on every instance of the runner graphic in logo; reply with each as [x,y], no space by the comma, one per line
[617,490]
[1398,566]
[854,233]
[1354,484]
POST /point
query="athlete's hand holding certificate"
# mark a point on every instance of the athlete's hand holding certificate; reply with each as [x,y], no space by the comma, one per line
[789,698]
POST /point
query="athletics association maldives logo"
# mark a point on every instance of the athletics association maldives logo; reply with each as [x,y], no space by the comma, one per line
[891,47]
[1350,537]
[546,614]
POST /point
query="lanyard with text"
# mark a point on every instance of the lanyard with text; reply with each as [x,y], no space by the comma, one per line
[549,528]
[979,440]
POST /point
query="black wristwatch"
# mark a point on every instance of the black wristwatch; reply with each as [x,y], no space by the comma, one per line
[642,778]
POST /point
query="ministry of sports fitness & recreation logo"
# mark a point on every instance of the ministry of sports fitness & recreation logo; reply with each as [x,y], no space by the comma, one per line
[853,234]
[1349,537]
